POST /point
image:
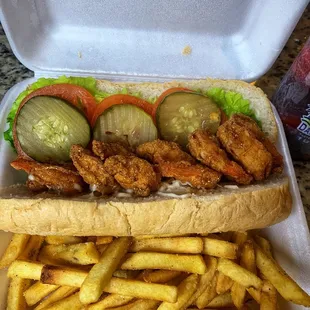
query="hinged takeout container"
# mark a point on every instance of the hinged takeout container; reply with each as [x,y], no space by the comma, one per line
[158,40]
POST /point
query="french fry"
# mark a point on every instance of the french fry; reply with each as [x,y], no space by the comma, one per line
[104,240]
[204,280]
[101,248]
[25,270]
[239,274]
[102,272]
[79,253]
[264,244]
[140,304]
[15,298]
[208,294]
[38,291]
[14,249]
[68,303]
[239,238]
[224,283]
[219,248]
[111,301]
[283,283]
[159,276]
[221,301]
[32,248]
[186,289]
[268,297]
[61,293]
[126,274]
[63,239]
[153,260]
[187,245]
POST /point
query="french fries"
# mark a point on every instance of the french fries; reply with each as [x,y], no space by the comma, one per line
[153,260]
[79,253]
[102,272]
[187,245]
[164,272]
[14,249]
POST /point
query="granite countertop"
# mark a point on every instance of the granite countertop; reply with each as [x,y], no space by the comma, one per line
[12,72]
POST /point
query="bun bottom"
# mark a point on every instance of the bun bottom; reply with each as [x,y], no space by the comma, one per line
[245,208]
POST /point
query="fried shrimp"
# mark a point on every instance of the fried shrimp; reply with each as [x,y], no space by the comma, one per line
[133,173]
[43,176]
[205,147]
[105,150]
[92,170]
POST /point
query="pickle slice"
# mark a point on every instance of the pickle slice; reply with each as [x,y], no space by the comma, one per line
[181,113]
[47,127]
[125,123]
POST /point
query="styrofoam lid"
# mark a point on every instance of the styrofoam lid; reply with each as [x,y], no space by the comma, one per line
[144,38]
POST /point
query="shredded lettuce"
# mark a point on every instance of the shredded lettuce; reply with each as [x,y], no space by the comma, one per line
[231,102]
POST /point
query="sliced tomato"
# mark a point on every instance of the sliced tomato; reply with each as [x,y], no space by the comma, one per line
[76,95]
[165,94]
[121,99]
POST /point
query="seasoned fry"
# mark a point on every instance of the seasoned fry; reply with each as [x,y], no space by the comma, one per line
[159,276]
[68,303]
[101,273]
[32,248]
[264,244]
[219,248]
[38,291]
[111,301]
[239,274]
[25,270]
[14,249]
[63,239]
[187,245]
[15,298]
[186,289]
[79,253]
[104,240]
[59,294]
[269,297]
[221,301]
[209,294]
[204,281]
[153,260]
[283,283]
[239,238]
[140,304]
[223,284]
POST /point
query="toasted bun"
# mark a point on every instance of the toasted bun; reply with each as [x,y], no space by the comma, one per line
[258,100]
[220,210]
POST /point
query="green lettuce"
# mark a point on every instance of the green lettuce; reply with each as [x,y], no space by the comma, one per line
[88,83]
[231,102]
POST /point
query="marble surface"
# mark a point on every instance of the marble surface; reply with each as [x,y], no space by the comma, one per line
[12,71]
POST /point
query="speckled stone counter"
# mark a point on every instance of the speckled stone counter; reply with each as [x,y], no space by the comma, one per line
[12,71]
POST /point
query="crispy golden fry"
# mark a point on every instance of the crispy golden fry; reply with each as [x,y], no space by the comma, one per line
[32,248]
[256,294]
[101,248]
[264,244]
[63,239]
[221,301]
[92,170]
[61,293]
[79,253]
[269,297]
[25,270]
[224,283]
[102,272]
[159,276]
[133,173]
[68,303]
[126,274]
[187,245]
[186,290]
[140,304]
[204,281]
[105,150]
[14,249]
[111,301]
[283,283]
[15,298]
[208,294]
[153,260]
[104,240]
[239,274]
[205,148]
[219,248]
[38,291]
[239,238]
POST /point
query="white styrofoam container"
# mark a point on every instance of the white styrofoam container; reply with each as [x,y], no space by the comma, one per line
[143,40]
